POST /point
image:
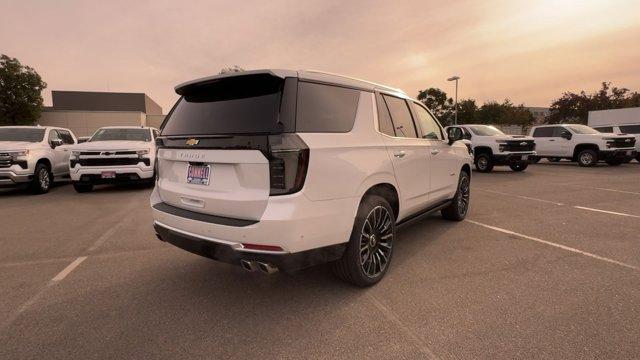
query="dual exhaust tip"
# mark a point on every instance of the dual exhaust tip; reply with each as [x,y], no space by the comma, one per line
[250,265]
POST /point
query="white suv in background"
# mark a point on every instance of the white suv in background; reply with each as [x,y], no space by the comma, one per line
[278,169]
[492,147]
[114,155]
[581,143]
[631,129]
[34,156]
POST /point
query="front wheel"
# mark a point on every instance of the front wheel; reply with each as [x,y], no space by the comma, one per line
[459,206]
[484,163]
[42,179]
[519,166]
[587,158]
[368,254]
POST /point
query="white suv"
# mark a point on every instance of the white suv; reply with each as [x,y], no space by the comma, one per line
[582,144]
[114,155]
[631,129]
[278,169]
[34,156]
[492,147]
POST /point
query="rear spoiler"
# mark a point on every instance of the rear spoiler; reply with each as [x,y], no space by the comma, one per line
[180,89]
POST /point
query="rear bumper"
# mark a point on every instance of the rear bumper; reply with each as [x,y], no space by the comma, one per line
[229,253]
[291,222]
[10,178]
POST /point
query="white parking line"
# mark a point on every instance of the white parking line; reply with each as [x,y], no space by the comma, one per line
[522,197]
[560,246]
[607,212]
[66,271]
[619,191]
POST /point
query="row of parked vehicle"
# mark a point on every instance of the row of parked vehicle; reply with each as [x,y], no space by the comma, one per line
[36,156]
[574,142]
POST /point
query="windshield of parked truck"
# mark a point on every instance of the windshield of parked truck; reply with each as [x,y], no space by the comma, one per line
[582,129]
[484,130]
[121,134]
[21,134]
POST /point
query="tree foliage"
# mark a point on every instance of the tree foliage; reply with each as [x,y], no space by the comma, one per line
[439,103]
[20,93]
[575,107]
[232,69]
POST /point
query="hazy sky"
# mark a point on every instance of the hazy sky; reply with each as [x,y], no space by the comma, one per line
[528,51]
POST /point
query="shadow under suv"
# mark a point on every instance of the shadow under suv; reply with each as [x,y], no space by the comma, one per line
[279,169]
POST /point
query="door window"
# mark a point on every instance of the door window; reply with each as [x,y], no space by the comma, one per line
[605,129]
[558,131]
[401,117]
[630,129]
[385,125]
[428,125]
[66,137]
[546,131]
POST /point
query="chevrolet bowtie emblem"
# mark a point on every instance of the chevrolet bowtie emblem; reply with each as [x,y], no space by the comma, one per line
[192,142]
[524,143]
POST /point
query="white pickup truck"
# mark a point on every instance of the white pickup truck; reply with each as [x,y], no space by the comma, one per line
[492,147]
[581,143]
[34,156]
[114,155]
[623,129]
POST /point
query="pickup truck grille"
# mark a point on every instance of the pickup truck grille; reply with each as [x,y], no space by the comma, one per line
[112,161]
[5,160]
[520,145]
[622,142]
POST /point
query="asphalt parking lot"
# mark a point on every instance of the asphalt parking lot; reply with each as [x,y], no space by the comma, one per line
[547,265]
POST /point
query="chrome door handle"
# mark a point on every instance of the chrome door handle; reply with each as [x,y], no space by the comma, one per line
[435,152]
[400,154]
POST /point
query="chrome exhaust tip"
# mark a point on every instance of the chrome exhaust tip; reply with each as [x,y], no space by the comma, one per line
[267,268]
[248,265]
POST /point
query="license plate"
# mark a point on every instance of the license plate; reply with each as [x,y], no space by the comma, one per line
[108,175]
[198,174]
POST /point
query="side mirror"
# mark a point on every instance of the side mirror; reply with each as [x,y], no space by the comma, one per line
[566,135]
[55,143]
[454,134]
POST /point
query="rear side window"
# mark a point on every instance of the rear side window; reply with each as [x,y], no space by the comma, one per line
[401,117]
[605,129]
[543,132]
[325,108]
[385,125]
[558,131]
[248,104]
[630,129]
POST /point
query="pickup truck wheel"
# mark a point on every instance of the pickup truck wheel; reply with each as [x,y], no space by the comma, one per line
[519,166]
[587,158]
[459,206]
[368,254]
[83,188]
[484,163]
[42,179]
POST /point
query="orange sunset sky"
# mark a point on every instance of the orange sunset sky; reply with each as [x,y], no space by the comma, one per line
[528,51]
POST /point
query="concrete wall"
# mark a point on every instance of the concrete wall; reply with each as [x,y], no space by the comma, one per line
[85,123]
[155,120]
[614,117]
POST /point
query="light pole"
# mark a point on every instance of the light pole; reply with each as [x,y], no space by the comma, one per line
[455,78]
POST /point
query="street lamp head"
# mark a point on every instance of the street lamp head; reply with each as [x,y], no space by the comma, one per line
[453,78]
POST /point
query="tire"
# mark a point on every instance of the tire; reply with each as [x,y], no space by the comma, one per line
[519,166]
[554,159]
[459,207]
[614,162]
[83,188]
[587,158]
[42,179]
[484,163]
[355,266]
[534,159]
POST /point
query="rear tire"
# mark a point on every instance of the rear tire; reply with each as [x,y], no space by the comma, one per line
[587,158]
[42,179]
[519,166]
[459,206]
[368,254]
[83,188]
[484,163]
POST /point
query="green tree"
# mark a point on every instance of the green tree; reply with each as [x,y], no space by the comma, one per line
[467,111]
[575,107]
[232,69]
[505,113]
[439,103]
[20,93]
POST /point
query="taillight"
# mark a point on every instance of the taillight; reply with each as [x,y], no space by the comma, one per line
[288,162]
